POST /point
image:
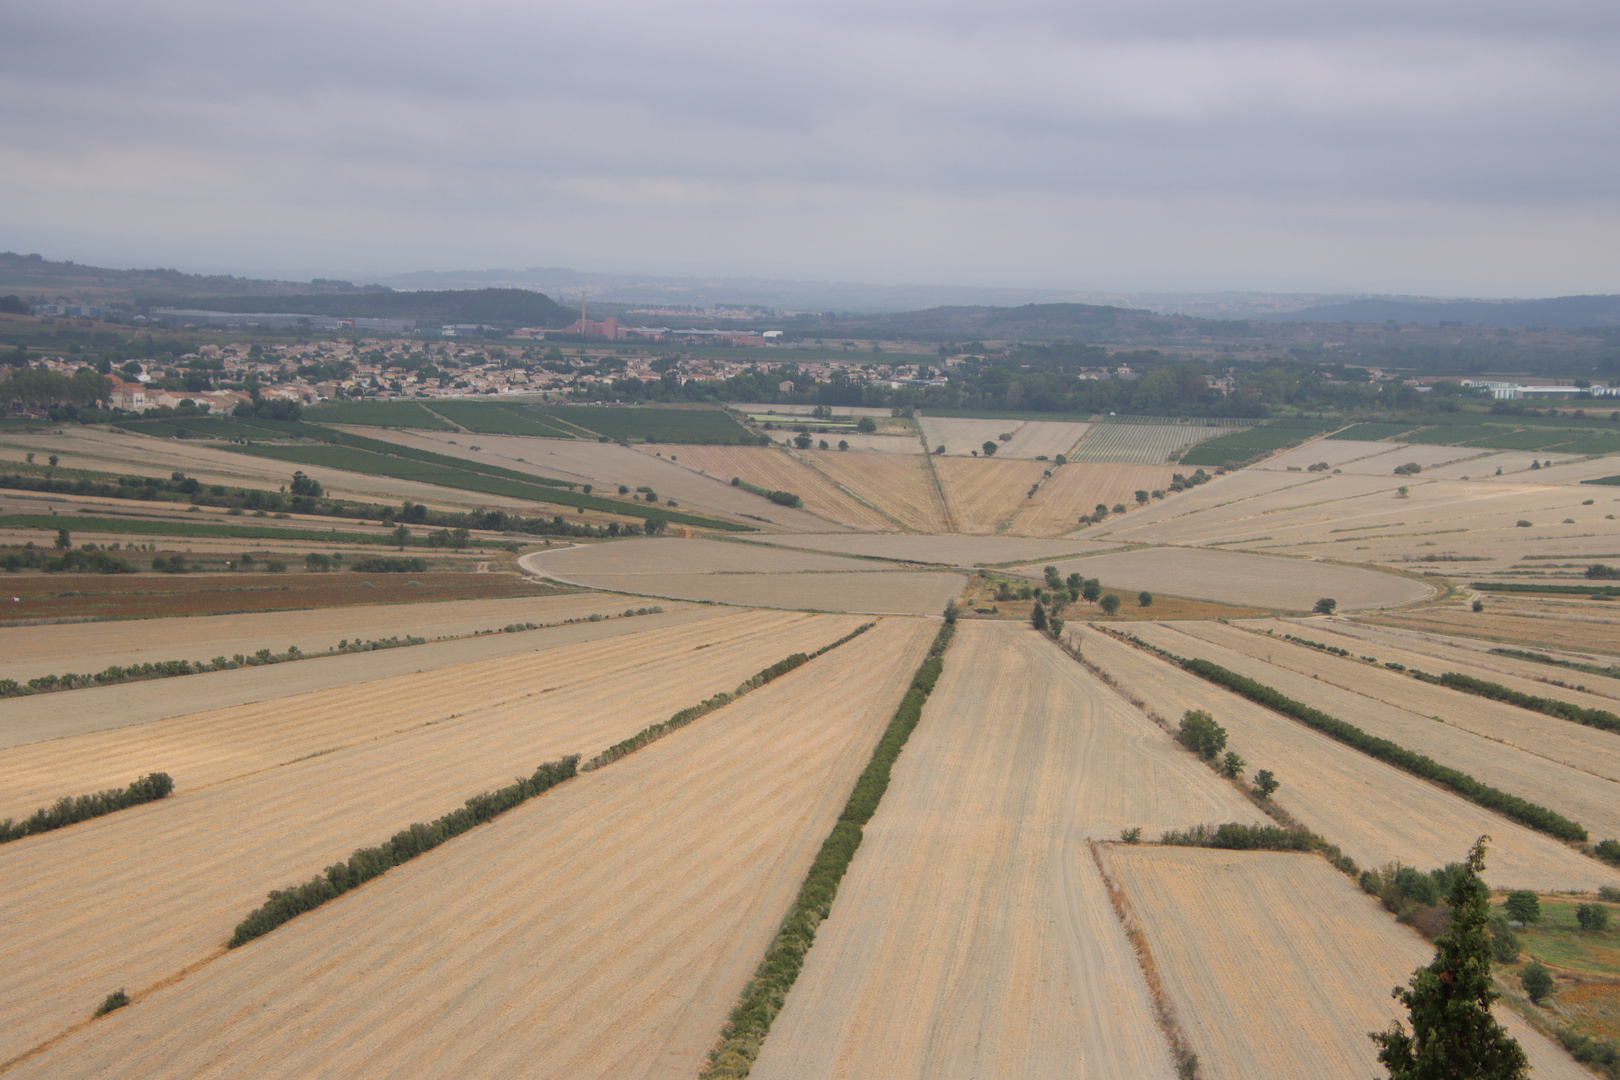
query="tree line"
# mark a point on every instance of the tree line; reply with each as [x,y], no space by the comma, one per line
[71,809]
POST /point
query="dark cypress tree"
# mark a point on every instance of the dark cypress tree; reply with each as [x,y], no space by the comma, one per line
[1454,1034]
[1037,616]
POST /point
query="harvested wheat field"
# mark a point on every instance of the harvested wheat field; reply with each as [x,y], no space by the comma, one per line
[1031,439]
[603,929]
[1588,749]
[201,749]
[870,592]
[42,717]
[269,810]
[1239,578]
[972,935]
[596,562]
[1283,966]
[1511,622]
[1374,811]
[777,469]
[39,650]
[1077,488]
[983,495]
[897,442]
[948,550]
[1589,799]
[900,487]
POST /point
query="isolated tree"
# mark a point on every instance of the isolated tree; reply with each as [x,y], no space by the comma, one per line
[1325,606]
[1265,782]
[1592,917]
[802,440]
[1453,1032]
[989,448]
[54,460]
[654,526]
[304,485]
[1091,590]
[64,539]
[1536,980]
[1037,616]
[1479,605]
[402,536]
[1142,495]
[1144,598]
[866,425]
[1109,604]
[1523,906]
[1201,734]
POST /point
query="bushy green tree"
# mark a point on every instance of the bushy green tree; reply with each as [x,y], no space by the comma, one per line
[1536,980]
[1144,598]
[1453,1032]
[1522,906]
[1504,942]
[1201,734]
[1593,917]
[1265,782]
[1037,616]
[1233,765]
[1091,590]
[1325,606]
[1109,604]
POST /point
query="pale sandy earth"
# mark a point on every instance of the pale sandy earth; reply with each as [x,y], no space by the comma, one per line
[1589,749]
[1520,628]
[1142,444]
[1591,800]
[876,443]
[877,593]
[28,651]
[603,929]
[670,555]
[1373,811]
[1078,487]
[186,869]
[200,749]
[900,487]
[605,466]
[101,708]
[1427,456]
[948,549]
[972,936]
[1463,654]
[1336,452]
[1564,470]
[962,436]
[984,495]
[138,455]
[1283,965]
[1240,578]
[774,468]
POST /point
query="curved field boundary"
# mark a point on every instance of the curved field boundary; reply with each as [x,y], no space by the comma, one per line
[70,809]
[766,992]
[1509,806]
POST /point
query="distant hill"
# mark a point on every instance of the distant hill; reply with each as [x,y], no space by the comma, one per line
[42,280]
[1561,312]
[510,307]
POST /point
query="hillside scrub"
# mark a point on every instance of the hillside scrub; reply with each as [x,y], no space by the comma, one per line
[71,809]
[367,863]
[767,991]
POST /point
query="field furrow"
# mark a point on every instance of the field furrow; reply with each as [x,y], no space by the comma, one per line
[778,470]
[601,930]
[897,485]
[185,869]
[984,494]
[1374,811]
[972,936]
[1077,488]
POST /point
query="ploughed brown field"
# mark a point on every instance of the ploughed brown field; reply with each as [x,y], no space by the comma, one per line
[603,929]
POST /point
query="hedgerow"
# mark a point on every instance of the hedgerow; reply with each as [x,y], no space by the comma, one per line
[766,992]
[403,846]
[1563,710]
[70,809]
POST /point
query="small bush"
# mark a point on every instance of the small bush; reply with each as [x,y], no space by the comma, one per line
[1609,893]
[116,1000]
[1132,835]
[1265,783]
[1536,980]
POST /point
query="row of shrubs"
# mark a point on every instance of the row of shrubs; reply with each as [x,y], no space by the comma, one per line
[1234,836]
[63,562]
[1563,710]
[1612,671]
[403,846]
[388,564]
[654,732]
[74,808]
[781,498]
[1510,806]
[766,992]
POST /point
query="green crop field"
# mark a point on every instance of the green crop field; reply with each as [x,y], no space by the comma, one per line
[649,423]
[1372,432]
[206,427]
[408,414]
[493,419]
[1250,443]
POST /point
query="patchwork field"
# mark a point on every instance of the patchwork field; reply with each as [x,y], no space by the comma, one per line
[603,929]
[328,777]
[1238,578]
[780,471]
[1078,487]
[972,935]
[1375,812]
[899,487]
[984,495]
[1592,800]
[1283,966]
[1031,439]
[1142,444]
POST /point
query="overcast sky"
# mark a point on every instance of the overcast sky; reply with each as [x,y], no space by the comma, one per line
[1446,148]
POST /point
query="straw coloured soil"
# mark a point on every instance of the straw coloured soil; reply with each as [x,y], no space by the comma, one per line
[1589,799]
[1519,625]
[899,487]
[1238,578]
[778,470]
[1077,488]
[972,935]
[1283,966]
[29,651]
[1375,812]
[985,494]
[948,550]
[677,556]
[879,592]
[602,930]
[1031,439]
